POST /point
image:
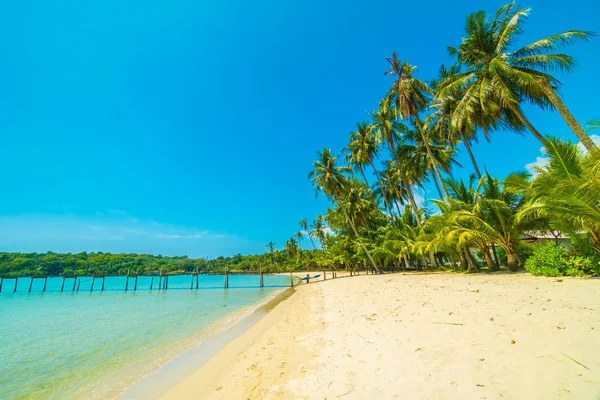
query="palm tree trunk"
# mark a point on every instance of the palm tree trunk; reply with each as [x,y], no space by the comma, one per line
[310,238]
[430,154]
[361,242]
[495,253]
[471,261]
[463,260]
[568,117]
[526,122]
[412,201]
[437,186]
[511,262]
[362,172]
[468,147]
[406,263]
[488,258]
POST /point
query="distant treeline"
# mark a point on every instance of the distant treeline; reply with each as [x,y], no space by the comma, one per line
[57,264]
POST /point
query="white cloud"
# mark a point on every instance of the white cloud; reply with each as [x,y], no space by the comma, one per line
[541,162]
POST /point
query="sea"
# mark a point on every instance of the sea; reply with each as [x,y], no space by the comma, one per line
[93,344]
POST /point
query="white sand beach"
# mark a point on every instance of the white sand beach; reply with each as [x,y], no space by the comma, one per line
[416,336]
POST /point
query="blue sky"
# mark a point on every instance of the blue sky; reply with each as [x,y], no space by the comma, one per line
[188,127]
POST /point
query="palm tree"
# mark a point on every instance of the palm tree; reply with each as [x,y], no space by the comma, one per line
[500,80]
[355,202]
[326,176]
[362,151]
[567,190]
[442,119]
[318,230]
[411,96]
[388,129]
[271,248]
[291,248]
[298,236]
[496,217]
[304,226]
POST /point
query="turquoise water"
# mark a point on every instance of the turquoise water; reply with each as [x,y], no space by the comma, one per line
[94,344]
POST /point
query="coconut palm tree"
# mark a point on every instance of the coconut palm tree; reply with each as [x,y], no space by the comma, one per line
[304,226]
[355,202]
[495,218]
[388,128]
[326,176]
[318,230]
[500,79]
[362,151]
[410,97]
[567,190]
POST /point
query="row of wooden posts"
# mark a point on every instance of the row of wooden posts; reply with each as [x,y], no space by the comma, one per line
[163,281]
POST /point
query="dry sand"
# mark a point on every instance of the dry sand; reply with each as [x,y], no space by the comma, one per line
[429,336]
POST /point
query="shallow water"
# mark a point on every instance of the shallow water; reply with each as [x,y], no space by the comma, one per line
[94,344]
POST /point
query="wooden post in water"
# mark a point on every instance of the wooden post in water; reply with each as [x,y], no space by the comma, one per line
[74,283]
[226,279]
[192,282]
[16,282]
[92,287]
[30,284]
[262,281]
[62,287]
[135,283]
[1,282]
[127,281]
[151,283]
[45,283]
[291,279]
[79,284]
[166,282]
[103,278]
[196,278]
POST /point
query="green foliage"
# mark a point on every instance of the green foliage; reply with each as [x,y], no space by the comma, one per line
[55,264]
[554,260]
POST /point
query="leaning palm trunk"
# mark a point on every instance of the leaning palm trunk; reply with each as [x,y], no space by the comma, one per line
[361,242]
[435,181]
[310,238]
[526,122]
[432,160]
[468,147]
[568,117]
[471,261]
[412,201]
[488,258]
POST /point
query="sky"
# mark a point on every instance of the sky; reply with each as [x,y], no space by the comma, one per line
[189,127]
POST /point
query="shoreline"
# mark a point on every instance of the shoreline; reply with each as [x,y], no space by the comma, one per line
[423,336]
[217,335]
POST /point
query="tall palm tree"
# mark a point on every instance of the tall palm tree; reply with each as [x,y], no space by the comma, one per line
[304,226]
[384,121]
[326,176]
[442,119]
[355,202]
[410,97]
[318,230]
[501,80]
[362,151]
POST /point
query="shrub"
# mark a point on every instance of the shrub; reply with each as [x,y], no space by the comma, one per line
[553,260]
